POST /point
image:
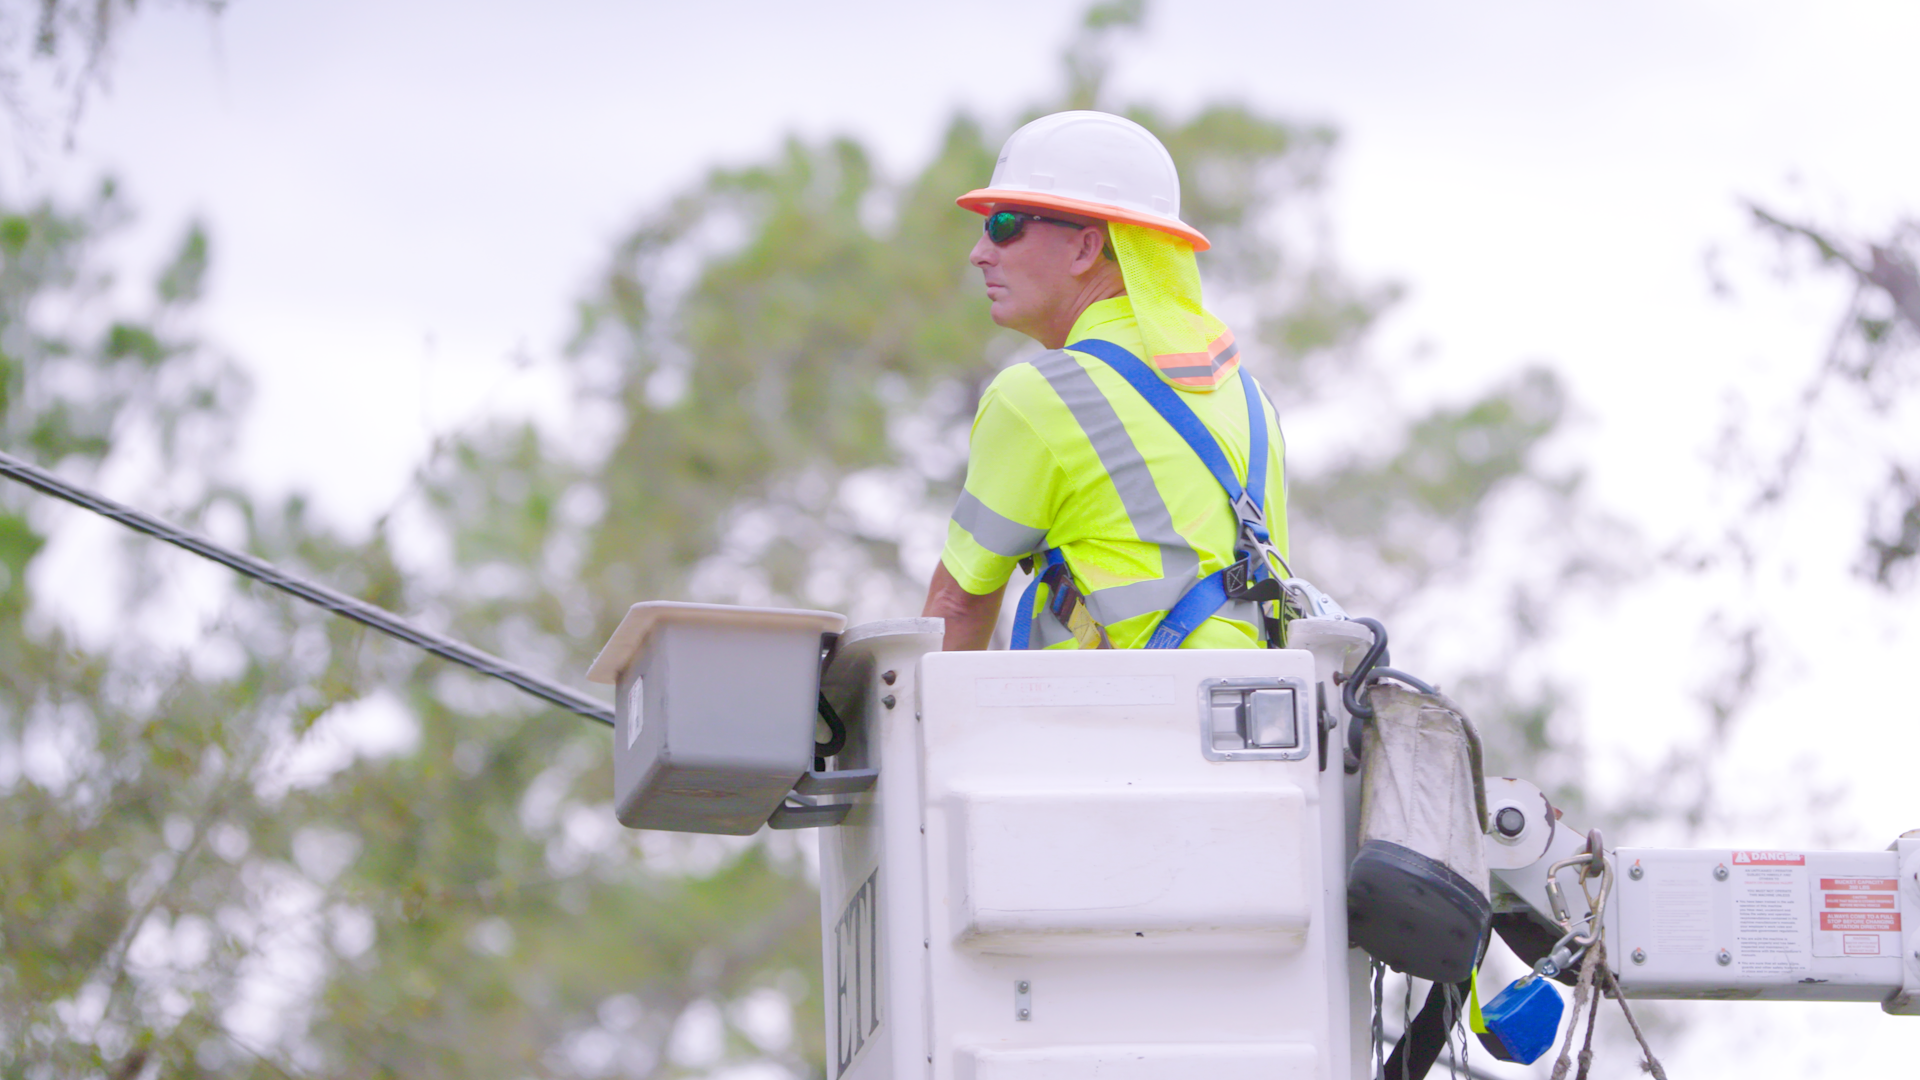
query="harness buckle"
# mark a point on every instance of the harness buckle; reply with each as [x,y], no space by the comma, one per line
[1242,581]
[1253,526]
[1235,580]
[1249,512]
[1069,606]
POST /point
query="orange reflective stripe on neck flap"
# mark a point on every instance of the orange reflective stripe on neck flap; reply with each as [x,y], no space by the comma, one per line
[1188,344]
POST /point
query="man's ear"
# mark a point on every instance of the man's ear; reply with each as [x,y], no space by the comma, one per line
[1087,255]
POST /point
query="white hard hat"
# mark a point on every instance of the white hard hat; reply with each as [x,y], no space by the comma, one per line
[1090,163]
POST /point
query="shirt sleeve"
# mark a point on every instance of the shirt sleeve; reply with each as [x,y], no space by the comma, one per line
[1011,496]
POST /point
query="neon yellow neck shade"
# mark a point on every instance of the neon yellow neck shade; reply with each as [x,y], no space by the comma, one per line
[1189,345]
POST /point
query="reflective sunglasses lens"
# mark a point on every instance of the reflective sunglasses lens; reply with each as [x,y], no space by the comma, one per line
[1004,226]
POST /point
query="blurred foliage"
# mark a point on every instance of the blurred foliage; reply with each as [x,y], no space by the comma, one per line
[1875,356]
[136,840]
[292,849]
[208,873]
[68,44]
[1844,433]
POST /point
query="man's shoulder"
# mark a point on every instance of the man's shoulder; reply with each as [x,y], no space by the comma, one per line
[1030,382]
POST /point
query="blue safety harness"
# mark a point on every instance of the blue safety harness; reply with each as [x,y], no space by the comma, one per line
[1248,577]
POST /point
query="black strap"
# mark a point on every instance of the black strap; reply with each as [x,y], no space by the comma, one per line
[1419,1047]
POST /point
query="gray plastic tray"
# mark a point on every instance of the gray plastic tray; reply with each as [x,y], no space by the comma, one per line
[713,712]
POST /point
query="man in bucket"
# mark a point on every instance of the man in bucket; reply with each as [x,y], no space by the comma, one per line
[1134,467]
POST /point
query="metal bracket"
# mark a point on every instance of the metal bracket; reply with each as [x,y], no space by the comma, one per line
[800,811]
[839,782]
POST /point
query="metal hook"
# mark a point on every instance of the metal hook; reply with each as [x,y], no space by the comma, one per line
[1556,898]
[1596,846]
[1309,601]
[836,728]
[1350,693]
[1588,860]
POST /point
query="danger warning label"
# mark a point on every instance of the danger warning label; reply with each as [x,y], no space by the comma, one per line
[1769,858]
[1859,914]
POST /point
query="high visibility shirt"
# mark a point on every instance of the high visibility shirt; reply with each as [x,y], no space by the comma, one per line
[1064,453]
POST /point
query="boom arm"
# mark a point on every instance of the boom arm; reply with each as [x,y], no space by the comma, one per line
[1714,922]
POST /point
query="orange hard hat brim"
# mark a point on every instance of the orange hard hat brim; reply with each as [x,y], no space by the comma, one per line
[983,200]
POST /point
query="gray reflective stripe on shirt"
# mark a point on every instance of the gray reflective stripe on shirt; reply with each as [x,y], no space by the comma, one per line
[1048,631]
[1146,509]
[1000,535]
[1119,603]
[1245,611]
[1122,602]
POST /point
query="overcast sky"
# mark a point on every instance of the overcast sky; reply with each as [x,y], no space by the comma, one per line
[405,197]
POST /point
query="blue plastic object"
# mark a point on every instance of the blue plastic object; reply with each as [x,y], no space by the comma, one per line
[1522,1020]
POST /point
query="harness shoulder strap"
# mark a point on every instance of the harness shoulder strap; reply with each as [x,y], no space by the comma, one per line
[1167,402]
[1212,592]
[1064,600]
[1023,621]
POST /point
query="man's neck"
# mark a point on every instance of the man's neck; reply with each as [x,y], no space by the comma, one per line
[1098,287]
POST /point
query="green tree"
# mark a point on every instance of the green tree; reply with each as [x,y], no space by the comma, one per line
[1844,428]
[139,846]
[774,377]
[65,45]
[1870,362]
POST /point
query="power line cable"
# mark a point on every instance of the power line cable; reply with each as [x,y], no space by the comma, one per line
[337,602]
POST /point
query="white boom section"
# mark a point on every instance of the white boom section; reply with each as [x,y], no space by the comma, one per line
[1069,868]
[1774,925]
[1730,924]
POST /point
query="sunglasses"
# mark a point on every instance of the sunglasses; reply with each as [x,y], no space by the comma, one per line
[1004,226]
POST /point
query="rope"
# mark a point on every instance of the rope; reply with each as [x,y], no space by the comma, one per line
[337,602]
[1651,1064]
[1593,1013]
[1581,990]
[1455,1059]
[1379,1034]
[1586,995]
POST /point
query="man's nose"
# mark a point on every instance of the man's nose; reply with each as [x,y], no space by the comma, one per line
[983,253]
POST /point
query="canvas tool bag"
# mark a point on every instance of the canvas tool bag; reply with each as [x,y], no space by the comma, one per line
[1417,889]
